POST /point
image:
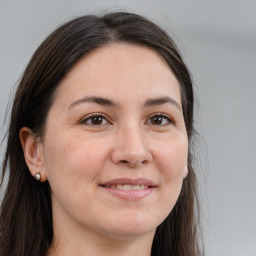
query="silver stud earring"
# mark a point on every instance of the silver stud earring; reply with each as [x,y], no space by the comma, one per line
[37,176]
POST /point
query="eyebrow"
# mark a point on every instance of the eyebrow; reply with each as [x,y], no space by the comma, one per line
[107,102]
[160,101]
[93,99]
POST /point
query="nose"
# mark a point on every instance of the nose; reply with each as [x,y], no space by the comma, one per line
[131,149]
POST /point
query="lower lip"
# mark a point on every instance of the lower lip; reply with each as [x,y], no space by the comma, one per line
[130,194]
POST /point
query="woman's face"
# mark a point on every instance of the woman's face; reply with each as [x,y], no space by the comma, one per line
[115,145]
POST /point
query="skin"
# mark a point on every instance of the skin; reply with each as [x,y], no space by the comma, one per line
[77,154]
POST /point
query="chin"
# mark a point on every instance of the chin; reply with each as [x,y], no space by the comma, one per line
[129,233]
[132,226]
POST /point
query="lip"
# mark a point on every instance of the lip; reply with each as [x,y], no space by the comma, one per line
[129,194]
[129,181]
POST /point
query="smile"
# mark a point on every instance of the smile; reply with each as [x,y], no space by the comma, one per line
[129,189]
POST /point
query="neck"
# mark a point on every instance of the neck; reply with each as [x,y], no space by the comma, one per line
[99,245]
[82,239]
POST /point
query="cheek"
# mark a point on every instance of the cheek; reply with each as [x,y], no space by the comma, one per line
[72,160]
[172,157]
[73,165]
[172,162]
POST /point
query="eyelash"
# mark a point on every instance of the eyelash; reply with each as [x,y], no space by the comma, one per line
[168,119]
[90,117]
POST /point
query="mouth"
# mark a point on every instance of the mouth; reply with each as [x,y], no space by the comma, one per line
[126,187]
[129,189]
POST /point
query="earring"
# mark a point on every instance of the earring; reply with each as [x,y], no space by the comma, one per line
[37,176]
[185,174]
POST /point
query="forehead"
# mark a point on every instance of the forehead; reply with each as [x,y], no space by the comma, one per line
[119,70]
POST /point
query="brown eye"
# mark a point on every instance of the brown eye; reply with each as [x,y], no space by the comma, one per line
[160,119]
[95,120]
[157,120]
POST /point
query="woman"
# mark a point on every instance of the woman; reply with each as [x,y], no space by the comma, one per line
[99,145]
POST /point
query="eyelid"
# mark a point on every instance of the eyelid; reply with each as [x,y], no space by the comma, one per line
[168,117]
[87,117]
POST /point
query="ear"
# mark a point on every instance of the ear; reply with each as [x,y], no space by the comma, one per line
[33,153]
[185,172]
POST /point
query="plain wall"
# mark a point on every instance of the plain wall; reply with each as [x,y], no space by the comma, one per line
[218,41]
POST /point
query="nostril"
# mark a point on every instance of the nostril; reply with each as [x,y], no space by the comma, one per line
[124,162]
[133,163]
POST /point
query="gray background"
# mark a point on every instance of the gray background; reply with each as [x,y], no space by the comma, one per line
[218,41]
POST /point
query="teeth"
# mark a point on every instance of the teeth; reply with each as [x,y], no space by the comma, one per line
[137,187]
[128,187]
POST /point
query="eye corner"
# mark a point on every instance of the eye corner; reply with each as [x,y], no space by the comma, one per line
[96,120]
[160,119]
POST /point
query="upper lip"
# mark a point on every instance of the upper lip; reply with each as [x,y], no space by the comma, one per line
[129,181]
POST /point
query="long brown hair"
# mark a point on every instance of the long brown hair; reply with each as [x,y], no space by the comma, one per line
[26,215]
